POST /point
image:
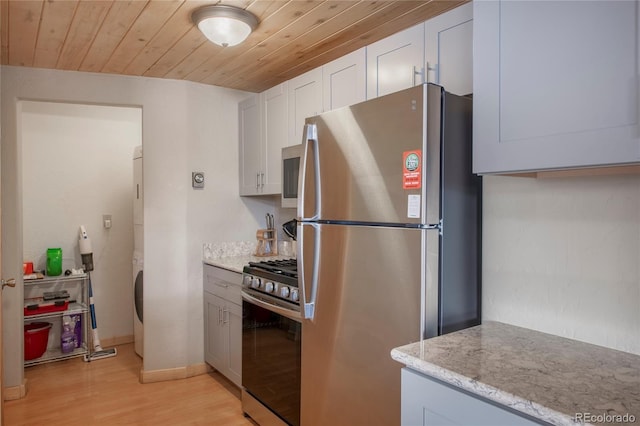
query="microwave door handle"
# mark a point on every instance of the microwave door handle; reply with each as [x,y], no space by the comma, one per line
[309,290]
[310,137]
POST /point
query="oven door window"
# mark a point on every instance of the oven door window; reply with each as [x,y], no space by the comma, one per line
[271,360]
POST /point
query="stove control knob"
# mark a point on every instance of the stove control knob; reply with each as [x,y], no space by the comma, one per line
[284,291]
[294,295]
[246,281]
[256,283]
[268,287]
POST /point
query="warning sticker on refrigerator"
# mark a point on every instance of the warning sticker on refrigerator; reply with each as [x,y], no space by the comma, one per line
[412,169]
[413,206]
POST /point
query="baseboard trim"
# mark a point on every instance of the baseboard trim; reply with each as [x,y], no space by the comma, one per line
[115,341]
[15,392]
[152,376]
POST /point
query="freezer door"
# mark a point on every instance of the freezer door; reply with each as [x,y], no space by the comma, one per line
[368,300]
[371,162]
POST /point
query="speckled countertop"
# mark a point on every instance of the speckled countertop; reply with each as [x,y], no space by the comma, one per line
[545,376]
[236,263]
[234,255]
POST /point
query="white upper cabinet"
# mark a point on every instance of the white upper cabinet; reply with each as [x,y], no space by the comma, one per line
[275,106]
[344,80]
[250,144]
[449,50]
[396,62]
[263,132]
[555,84]
[305,100]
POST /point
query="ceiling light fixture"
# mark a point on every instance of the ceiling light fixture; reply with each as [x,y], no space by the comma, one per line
[224,25]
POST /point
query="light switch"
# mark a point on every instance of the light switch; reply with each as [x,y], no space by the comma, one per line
[106,221]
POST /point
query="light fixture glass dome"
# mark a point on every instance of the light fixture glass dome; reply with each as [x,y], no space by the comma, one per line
[224,25]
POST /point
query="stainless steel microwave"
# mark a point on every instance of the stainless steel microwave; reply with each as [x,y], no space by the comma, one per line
[290,172]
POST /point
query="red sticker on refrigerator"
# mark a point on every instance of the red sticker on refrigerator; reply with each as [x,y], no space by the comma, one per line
[412,169]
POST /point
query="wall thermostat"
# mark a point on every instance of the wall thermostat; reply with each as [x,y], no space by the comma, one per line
[197,179]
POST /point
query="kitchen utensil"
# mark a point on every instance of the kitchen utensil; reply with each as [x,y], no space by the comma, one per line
[267,243]
[289,228]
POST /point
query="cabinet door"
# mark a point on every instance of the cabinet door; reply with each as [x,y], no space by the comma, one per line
[555,84]
[233,323]
[215,336]
[305,100]
[344,81]
[250,145]
[426,401]
[396,62]
[275,130]
[449,50]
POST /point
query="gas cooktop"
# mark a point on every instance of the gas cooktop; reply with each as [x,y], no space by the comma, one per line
[277,278]
[285,267]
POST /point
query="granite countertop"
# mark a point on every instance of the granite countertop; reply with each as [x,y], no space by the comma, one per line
[236,263]
[234,255]
[545,376]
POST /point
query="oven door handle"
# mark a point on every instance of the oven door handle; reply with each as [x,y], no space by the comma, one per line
[293,315]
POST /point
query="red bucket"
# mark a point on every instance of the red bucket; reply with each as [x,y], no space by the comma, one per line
[36,338]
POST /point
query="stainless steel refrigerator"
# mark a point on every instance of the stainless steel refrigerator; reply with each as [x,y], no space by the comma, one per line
[388,246]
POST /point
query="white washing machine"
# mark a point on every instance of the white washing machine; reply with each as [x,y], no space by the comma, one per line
[138,252]
[138,292]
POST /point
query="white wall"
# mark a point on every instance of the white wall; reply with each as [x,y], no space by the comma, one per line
[78,166]
[178,119]
[562,256]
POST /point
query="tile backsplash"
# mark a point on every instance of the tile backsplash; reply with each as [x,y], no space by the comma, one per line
[562,256]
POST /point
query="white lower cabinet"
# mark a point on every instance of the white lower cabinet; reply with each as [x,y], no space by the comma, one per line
[223,322]
[427,401]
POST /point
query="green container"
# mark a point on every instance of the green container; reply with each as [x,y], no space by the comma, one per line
[54,261]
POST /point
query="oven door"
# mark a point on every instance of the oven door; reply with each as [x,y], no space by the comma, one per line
[271,349]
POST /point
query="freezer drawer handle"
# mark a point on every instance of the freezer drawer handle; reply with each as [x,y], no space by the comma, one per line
[311,136]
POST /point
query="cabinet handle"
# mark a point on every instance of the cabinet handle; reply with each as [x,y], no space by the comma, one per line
[434,68]
[257,180]
[420,73]
[220,284]
[262,179]
[220,316]
[225,311]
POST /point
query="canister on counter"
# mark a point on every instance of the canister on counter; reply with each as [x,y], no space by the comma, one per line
[54,261]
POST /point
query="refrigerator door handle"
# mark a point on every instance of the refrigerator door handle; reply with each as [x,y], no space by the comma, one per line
[309,290]
[311,137]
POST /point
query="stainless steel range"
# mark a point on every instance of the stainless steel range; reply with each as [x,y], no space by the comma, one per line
[276,279]
[271,342]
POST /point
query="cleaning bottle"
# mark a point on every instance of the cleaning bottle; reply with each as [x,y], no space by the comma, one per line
[68,341]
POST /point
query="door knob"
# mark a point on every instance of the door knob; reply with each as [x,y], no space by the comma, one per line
[11,282]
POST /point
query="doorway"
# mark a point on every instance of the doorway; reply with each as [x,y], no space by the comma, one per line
[77,169]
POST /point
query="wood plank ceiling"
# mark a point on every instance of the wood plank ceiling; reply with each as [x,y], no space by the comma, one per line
[156,38]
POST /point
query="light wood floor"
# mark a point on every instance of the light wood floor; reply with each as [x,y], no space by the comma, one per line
[107,392]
